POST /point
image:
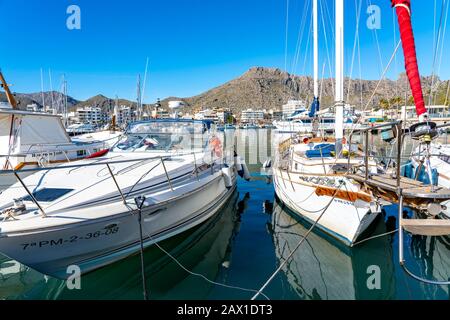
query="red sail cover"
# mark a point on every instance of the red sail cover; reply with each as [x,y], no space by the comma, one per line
[403,8]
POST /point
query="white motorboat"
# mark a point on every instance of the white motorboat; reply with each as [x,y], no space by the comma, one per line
[309,173]
[85,214]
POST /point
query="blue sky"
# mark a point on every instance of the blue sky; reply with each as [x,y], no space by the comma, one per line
[193,45]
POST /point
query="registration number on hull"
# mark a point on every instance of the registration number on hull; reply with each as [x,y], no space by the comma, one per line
[70,239]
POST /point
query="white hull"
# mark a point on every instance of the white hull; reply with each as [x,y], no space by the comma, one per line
[342,220]
[98,242]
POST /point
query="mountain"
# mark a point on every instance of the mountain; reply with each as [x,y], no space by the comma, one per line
[270,88]
[24,99]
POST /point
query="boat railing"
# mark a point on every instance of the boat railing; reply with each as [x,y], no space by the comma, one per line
[108,164]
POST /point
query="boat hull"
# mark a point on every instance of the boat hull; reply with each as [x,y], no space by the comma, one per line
[90,245]
[342,220]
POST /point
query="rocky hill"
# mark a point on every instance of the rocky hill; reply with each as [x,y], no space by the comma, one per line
[270,88]
[24,99]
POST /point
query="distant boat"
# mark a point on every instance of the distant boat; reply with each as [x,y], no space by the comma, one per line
[248,126]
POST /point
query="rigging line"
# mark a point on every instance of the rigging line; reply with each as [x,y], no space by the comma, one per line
[300,37]
[286,36]
[442,47]
[375,36]
[436,49]
[358,15]
[326,43]
[307,49]
[280,267]
[383,75]
[201,275]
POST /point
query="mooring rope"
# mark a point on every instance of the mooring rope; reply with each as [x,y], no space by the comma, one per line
[260,291]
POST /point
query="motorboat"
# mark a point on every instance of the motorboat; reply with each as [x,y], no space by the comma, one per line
[170,174]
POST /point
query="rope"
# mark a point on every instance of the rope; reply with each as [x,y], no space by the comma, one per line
[375,236]
[203,277]
[260,291]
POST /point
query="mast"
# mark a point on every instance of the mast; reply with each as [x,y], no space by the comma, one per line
[339,95]
[12,101]
[139,107]
[316,50]
[42,90]
[315,105]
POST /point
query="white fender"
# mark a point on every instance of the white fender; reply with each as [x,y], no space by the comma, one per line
[226,173]
[247,175]
[237,163]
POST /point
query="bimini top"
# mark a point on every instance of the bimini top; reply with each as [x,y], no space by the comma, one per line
[170,126]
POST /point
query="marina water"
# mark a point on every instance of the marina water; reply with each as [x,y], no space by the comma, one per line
[244,244]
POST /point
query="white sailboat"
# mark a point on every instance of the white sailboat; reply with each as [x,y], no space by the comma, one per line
[85,214]
[309,173]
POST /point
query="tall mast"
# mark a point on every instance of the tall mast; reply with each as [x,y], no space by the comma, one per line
[139,108]
[315,106]
[42,90]
[339,95]
[316,50]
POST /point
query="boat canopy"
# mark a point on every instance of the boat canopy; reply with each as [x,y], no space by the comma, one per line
[21,130]
[179,126]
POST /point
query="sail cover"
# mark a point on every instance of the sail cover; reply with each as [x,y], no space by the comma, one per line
[403,9]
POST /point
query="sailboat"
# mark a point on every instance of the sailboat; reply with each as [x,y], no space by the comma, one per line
[309,172]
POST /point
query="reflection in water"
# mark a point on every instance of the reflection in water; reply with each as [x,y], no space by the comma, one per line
[432,260]
[320,269]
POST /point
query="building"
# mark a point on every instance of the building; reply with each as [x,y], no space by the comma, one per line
[293,107]
[252,116]
[225,116]
[206,114]
[275,115]
[92,115]
[160,113]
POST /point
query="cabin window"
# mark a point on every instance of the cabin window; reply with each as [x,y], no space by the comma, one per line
[48,194]
[81,153]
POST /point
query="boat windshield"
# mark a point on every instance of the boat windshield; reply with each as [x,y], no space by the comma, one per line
[163,136]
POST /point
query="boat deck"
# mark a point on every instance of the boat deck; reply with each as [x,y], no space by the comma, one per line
[410,188]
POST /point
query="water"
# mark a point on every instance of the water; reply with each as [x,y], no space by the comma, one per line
[243,245]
